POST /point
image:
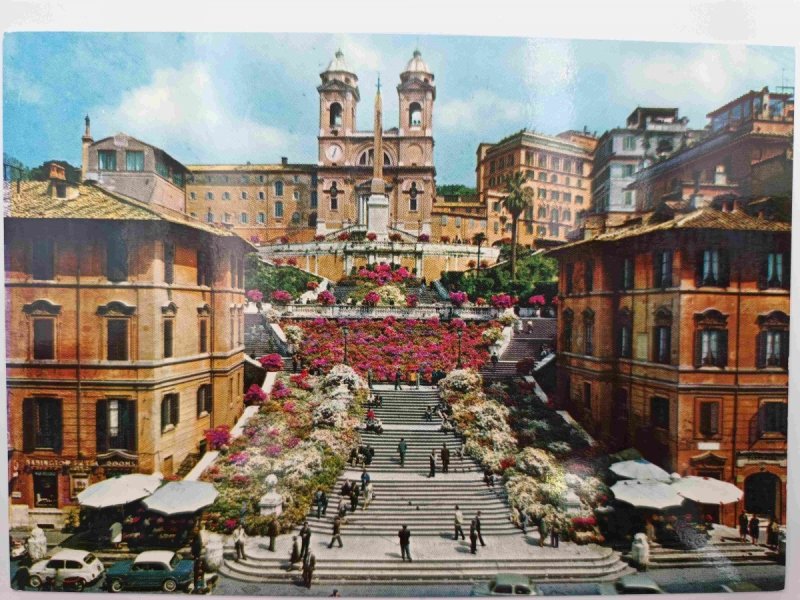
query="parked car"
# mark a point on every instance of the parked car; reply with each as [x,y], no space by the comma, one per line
[739,586]
[636,583]
[153,569]
[506,584]
[79,567]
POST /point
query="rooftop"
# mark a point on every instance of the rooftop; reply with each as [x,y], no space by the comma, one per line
[272,167]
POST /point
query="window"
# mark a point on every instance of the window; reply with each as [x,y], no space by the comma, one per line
[170,411]
[279,210]
[243,218]
[209,217]
[168,328]
[569,275]
[169,262]
[115,425]
[578,199]
[542,160]
[625,337]
[313,200]
[528,157]
[244,179]
[335,119]
[626,276]
[554,195]
[628,170]
[116,259]
[541,231]
[44,339]
[541,213]
[209,195]
[279,188]
[627,198]
[262,218]
[629,142]
[117,339]
[107,159]
[262,195]
[553,178]
[204,398]
[773,340]
[42,259]
[414,115]
[541,193]
[567,197]
[492,167]
[496,227]
[42,424]
[296,218]
[709,418]
[712,268]
[45,492]
[567,165]
[163,170]
[588,332]
[204,270]
[261,179]
[555,163]
[226,218]
[542,176]
[711,348]
[588,276]
[567,335]
[134,160]
[772,417]
[458,221]
[444,220]
[192,196]
[244,195]
[774,271]
[226,195]
[662,269]
[203,336]
[659,412]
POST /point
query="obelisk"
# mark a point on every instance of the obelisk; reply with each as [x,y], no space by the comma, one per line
[378,203]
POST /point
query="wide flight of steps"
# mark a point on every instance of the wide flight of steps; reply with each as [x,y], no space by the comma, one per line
[714,554]
[524,344]
[405,495]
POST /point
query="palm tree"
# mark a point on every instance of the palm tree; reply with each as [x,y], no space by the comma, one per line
[478,239]
[518,198]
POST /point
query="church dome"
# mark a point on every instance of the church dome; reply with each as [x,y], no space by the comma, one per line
[417,65]
[338,64]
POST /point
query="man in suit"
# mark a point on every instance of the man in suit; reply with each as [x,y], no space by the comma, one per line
[405,542]
[473,537]
[445,453]
[355,491]
[432,462]
[402,448]
[478,527]
[337,532]
[458,521]
[305,539]
[308,569]
[272,531]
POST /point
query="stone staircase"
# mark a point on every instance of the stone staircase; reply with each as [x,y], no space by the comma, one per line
[717,554]
[405,495]
[524,344]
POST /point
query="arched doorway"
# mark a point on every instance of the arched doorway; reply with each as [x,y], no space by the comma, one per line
[762,494]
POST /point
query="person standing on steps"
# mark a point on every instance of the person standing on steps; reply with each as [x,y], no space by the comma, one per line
[397,380]
[337,533]
[458,521]
[432,460]
[305,539]
[369,454]
[402,448]
[755,529]
[445,454]
[364,480]
[544,530]
[555,534]
[238,542]
[295,556]
[272,531]
[369,493]
[523,520]
[473,537]
[494,360]
[354,494]
[308,569]
[405,542]
[478,527]
[743,526]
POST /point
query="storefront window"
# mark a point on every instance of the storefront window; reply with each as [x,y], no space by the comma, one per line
[45,489]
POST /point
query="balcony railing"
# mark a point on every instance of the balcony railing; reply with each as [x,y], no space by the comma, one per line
[339,311]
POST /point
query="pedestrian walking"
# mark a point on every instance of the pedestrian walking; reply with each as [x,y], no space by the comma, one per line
[294,363]
[294,556]
[523,520]
[555,533]
[354,493]
[544,531]
[308,569]
[341,510]
[198,576]
[397,379]
[21,577]
[305,540]
[445,454]
[754,529]
[473,537]
[335,594]
[478,527]
[405,542]
[337,533]
[458,521]
[238,542]
[369,454]
[432,460]
[402,448]
[369,493]
[773,533]
[428,414]
[364,479]
[743,526]
[346,487]
[494,360]
[272,532]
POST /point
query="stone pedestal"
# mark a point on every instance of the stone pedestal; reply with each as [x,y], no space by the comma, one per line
[271,503]
[36,544]
[572,504]
[378,216]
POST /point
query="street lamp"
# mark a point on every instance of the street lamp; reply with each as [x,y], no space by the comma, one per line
[458,362]
[345,331]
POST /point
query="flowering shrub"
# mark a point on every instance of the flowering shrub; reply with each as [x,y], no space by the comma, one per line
[254,395]
[291,261]
[326,298]
[412,300]
[445,239]
[536,462]
[271,362]
[457,324]
[507,318]
[525,366]
[390,294]
[461,380]
[277,262]
[344,236]
[472,264]
[218,436]
[503,301]
[371,299]
[372,236]
[493,335]
[383,274]
[537,300]
[254,295]
[294,334]
[319,238]
[281,297]
[458,298]
[284,239]
[480,302]
[312,285]
[395,237]
[280,391]
[424,237]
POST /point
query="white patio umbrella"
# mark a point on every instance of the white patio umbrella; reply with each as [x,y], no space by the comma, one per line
[707,490]
[640,469]
[646,494]
[178,497]
[119,490]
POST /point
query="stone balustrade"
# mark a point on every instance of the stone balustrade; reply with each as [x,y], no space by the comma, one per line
[342,311]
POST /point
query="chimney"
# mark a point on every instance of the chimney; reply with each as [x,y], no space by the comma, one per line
[58,180]
[86,141]
[284,160]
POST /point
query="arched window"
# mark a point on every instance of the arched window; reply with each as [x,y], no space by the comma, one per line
[554,215]
[542,212]
[710,339]
[566,216]
[588,332]
[279,188]
[335,115]
[368,156]
[773,340]
[662,336]
[415,115]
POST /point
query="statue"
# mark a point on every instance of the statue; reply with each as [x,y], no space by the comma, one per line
[640,551]
[36,544]
[271,502]
[214,551]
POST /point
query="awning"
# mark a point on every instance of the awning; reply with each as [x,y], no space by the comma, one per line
[119,490]
[707,490]
[176,497]
[640,469]
[646,494]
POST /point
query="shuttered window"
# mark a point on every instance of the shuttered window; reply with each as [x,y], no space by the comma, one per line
[116,425]
[44,347]
[42,424]
[170,407]
[117,339]
[709,418]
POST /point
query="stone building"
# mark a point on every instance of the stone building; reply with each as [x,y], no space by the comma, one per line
[126,338]
[458,218]
[673,339]
[558,170]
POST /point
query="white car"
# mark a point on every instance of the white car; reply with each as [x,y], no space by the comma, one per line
[82,567]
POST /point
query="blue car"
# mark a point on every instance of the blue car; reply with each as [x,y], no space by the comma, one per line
[151,570]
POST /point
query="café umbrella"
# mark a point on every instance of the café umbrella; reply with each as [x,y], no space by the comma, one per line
[707,490]
[178,497]
[646,494]
[640,469]
[117,491]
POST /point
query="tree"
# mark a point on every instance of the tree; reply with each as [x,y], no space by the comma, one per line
[455,189]
[518,198]
[478,239]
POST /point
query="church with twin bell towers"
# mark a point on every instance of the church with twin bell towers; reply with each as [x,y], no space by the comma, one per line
[356,194]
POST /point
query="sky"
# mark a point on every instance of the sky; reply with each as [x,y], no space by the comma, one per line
[238,97]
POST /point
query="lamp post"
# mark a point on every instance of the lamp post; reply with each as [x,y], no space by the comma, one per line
[345,331]
[459,333]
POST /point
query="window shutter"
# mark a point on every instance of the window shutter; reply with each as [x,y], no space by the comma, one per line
[724,268]
[28,424]
[761,351]
[784,337]
[762,273]
[131,432]
[698,348]
[698,272]
[762,419]
[165,411]
[787,270]
[101,421]
[58,425]
[176,407]
[713,418]
[782,417]
[722,359]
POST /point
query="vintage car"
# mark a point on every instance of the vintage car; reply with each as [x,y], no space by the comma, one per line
[153,569]
[506,584]
[81,568]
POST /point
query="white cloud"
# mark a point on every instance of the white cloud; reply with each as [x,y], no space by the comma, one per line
[361,56]
[182,111]
[549,63]
[472,113]
[20,88]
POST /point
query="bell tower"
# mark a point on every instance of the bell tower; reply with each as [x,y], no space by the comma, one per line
[338,97]
[416,93]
